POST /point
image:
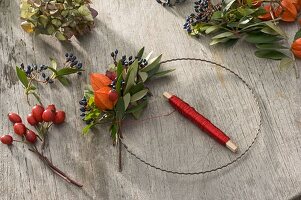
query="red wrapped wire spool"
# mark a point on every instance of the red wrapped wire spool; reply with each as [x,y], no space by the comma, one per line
[203,123]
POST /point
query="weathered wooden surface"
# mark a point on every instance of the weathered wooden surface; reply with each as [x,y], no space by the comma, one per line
[271,170]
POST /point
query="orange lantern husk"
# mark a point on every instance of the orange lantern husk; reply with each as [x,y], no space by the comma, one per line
[296,48]
[286,11]
[99,80]
[267,16]
[297,4]
[102,100]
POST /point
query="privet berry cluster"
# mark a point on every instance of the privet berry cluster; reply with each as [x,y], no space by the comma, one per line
[32,74]
[41,119]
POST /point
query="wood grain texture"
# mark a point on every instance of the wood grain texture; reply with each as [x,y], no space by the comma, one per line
[271,170]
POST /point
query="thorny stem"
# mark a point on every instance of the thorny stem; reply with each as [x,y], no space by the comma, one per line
[54,168]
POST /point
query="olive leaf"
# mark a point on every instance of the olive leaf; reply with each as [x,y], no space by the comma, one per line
[153,63]
[126,100]
[257,38]
[22,77]
[271,54]
[139,95]
[131,76]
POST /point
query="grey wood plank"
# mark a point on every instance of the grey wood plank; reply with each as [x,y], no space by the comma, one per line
[269,171]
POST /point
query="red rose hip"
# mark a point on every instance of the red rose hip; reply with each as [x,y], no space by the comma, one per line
[37,112]
[31,120]
[6,139]
[48,115]
[19,129]
[51,107]
[14,118]
[59,117]
[31,136]
[113,95]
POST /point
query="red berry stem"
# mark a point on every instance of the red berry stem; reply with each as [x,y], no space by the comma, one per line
[54,168]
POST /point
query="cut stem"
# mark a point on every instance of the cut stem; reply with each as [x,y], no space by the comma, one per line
[54,168]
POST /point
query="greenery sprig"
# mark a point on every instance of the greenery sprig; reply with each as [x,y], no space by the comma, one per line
[33,74]
[254,21]
[121,91]
[60,18]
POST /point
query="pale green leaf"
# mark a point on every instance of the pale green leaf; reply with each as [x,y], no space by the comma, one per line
[126,100]
[286,63]
[22,77]
[153,63]
[223,35]
[139,95]
[143,76]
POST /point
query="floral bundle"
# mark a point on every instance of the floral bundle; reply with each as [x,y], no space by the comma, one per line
[60,18]
[255,21]
[120,91]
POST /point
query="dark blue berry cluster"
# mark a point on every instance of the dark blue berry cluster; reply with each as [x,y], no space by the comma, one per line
[169,2]
[127,61]
[33,71]
[72,62]
[203,13]
[83,103]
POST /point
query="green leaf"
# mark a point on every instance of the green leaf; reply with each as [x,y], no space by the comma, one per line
[53,63]
[137,114]
[153,72]
[126,100]
[220,40]
[87,128]
[131,76]
[270,46]
[153,63]
[140,53]
[53,70]
[43,20]
[211,29]
[223,35]
[143,76]
[67,71]
[139,95]
[163,73]
[22,76]
[297,35]
[119,68]
[118,84]
[114,129]
[286,63]
[148,56]
[216,15]
[261,38]
[85,12]
[120,109]
[137,107]
[244,21]
[136,88]
[60,36]
[228,4]
[269,31]
[64,81]
[276,28]
[270,54]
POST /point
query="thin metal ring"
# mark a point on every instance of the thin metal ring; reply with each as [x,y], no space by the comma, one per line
[224,165]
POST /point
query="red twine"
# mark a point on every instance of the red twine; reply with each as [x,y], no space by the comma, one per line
[203,123]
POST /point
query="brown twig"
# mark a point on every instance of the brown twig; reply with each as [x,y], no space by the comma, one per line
[54,168]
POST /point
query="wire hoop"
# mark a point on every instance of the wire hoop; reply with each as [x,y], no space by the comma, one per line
[256,99]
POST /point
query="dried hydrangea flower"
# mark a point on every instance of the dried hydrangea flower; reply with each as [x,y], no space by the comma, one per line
[60,18]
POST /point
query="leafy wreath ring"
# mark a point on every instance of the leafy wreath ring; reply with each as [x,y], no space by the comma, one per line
[256,99]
